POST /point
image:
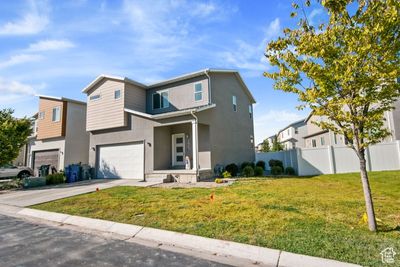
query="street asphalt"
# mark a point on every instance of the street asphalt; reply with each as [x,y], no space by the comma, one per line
[24,243]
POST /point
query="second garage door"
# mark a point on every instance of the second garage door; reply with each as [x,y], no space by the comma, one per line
[121,161]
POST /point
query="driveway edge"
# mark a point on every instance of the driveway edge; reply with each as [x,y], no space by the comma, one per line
[256,255]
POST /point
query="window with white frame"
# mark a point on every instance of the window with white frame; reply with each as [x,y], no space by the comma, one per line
[314,143]
[160,100]
[41,115]
[94,97]
[56,114]
[234,103]
[198,92]
[251,111]
[117,94]
[322,141]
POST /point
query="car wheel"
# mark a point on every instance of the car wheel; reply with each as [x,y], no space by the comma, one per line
[24,174]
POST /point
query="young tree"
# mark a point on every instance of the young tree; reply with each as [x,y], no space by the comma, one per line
[344,70]
[276,146]
[265,147]
[13,135]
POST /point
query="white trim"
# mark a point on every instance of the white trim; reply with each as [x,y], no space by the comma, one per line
[201,92]
[61,99]
[174,154]
[120,94]
[58,108]
[168,114]
[105,76]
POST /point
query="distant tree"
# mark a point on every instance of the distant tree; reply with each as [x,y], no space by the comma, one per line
[276,146]
[344,69]
[13,135]
[265,146]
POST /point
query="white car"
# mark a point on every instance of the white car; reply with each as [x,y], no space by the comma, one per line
[9,170]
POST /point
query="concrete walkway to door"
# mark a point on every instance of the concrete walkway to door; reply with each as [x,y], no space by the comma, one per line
[28,197]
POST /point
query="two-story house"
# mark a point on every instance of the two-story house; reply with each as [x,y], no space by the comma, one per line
[317,137]
[292,135]
[139,131]
[59,136]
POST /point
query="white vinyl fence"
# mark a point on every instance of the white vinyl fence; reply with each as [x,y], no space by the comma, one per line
[336,159]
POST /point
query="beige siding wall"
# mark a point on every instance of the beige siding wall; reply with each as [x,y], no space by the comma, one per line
[46,127]
[105,112]
[135,97]
[180,94]
[76,137]
[311,127]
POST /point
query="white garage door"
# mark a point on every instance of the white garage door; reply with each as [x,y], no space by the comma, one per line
[121,161]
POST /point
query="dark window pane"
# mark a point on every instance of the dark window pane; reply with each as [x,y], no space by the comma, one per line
[179,158]
[179,140]
[179,149]
[156,101]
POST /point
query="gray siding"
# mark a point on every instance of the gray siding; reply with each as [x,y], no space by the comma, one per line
[180,94]
[230,131]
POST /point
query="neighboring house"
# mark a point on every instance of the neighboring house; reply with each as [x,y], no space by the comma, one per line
[317,137]
[139,130]
[292,135]
[59,136]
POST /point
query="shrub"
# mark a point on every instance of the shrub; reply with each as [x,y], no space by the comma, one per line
[258,171]
[275,162]
[248,171]
[276,170]
[245,164]
[261,164]
[218,181]
[290,171]
[56,178]
[232,168]
[226,174]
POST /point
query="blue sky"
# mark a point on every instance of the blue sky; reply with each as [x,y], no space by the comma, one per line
[58,47]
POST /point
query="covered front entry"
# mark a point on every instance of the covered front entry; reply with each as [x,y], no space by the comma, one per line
[120,161]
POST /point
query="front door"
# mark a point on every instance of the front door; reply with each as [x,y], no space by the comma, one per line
[178,149]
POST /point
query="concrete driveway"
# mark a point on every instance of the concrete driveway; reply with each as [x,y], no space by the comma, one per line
[28,197]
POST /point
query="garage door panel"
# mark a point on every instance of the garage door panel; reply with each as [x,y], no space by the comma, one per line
[48,157]
[121,161]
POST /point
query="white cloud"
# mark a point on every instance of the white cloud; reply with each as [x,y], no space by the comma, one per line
[313,15]
[20,59]
[12,91]
[47,45]
[271,121]
[32,22]
[250,57]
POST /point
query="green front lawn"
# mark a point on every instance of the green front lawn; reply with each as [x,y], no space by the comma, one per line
[318,216]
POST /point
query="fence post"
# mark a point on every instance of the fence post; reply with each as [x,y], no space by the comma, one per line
[331,157]
[398,151]
[298,156]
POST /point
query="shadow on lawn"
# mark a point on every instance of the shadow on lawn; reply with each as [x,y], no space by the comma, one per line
[387,229]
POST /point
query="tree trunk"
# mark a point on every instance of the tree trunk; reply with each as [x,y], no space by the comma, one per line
[367,194]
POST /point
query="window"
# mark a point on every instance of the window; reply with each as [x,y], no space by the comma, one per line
[117,94]
[198,92]
[296,130]
[251,111]
[160,100]
[56,114]
[314,143]
[288,132]
[322,141]
[335,138]
[41,115]
[94,97]
[234,103]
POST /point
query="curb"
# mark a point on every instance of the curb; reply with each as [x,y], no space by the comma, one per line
[254,254]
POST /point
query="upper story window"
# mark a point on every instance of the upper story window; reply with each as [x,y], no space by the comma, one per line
[41,115]
[56,114]
[251,111]
[322,141]
[288,132]
[160,100]
[198,92]
[314,143]
[234,103]
[117,94]
[94,97]
[296,130]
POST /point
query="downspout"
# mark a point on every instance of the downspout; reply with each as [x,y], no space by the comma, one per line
[197,143]
[209,86]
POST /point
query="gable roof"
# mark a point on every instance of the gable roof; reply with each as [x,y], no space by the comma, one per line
[62,99]
[296,123]
[171,80]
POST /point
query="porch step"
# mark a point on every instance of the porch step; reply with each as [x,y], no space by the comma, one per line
[158,177]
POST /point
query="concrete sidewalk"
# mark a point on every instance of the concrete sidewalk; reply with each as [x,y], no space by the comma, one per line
[227,252]
[33,196]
